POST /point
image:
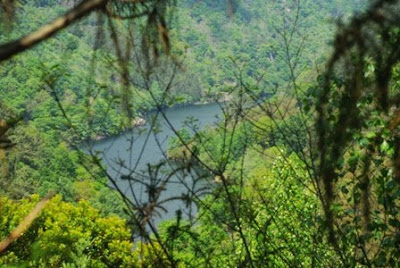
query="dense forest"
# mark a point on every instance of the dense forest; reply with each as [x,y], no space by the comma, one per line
[300,169]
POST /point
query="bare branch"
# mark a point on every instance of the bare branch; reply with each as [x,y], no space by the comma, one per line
[24,224]
[83,9]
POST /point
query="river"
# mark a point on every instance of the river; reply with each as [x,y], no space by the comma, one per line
[131,153]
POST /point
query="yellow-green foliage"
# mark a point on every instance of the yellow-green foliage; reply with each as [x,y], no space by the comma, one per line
[65,235]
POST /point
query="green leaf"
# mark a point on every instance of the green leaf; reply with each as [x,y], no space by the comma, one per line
[344,190]
[370,135]
[384,146]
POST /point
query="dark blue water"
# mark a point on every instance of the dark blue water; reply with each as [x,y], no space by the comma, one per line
[136,154]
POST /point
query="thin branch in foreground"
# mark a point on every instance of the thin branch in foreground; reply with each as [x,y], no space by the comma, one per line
[83,9]
[24,224]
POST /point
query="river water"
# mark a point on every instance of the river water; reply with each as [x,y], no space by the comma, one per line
[130,154]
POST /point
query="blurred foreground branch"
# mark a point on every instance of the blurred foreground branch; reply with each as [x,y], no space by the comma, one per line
[24,224]
[81,10]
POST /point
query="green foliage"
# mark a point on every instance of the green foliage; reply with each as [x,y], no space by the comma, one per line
[65,235]
[40,163]
[266,209]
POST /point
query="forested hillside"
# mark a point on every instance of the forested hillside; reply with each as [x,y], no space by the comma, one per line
[300,170]
[204,35]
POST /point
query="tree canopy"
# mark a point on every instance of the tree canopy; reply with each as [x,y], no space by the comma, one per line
[301,169]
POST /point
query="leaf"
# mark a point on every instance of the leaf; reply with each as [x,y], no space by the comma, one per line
[344,190]
[363,142]
[384,146]
[370,135]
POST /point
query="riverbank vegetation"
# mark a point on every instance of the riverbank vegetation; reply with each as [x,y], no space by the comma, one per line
[302,168]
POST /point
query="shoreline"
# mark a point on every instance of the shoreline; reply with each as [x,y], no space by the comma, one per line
[140,121]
